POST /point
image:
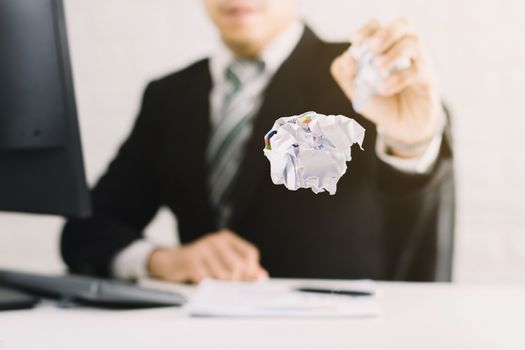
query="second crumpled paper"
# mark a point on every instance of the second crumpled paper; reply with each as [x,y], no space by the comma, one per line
[311,150]
[368,76]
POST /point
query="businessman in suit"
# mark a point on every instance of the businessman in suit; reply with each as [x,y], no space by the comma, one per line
[196,148]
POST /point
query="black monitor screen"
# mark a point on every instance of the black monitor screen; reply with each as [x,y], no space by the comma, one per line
[41,167]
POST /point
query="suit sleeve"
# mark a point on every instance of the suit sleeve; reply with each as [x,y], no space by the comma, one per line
[418,217]
[124,201]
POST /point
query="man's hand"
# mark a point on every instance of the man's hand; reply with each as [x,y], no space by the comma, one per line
[407,108]
[221,255]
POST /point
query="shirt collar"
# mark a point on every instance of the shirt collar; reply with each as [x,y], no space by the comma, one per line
[273,55]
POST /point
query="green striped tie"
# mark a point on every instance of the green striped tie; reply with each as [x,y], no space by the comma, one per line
[225,149]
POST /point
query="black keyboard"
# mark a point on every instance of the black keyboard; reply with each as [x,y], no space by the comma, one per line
[11,299]
[90,290]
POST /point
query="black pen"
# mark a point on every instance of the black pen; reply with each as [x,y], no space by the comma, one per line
[353,293]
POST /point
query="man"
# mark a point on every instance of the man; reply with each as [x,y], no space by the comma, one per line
[197,145]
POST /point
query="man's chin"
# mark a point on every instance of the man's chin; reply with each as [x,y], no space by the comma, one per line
[243,42]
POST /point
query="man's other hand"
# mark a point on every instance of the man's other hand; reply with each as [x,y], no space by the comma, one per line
[221,255]
[407,107]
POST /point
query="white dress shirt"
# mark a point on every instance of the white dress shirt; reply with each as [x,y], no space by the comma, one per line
[132,261]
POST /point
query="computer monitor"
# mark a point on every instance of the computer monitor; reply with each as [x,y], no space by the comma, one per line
[41,167]
[41,163]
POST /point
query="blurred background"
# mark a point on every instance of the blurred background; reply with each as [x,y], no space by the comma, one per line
[117,46]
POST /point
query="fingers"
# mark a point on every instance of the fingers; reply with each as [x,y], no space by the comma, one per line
[343,70]
[407,47]
[365,32]
[226,256]
[215,265]
[196,273]
[248,253]
[232,265]
[385,37]
[262,275]
[399,81]
[209,254]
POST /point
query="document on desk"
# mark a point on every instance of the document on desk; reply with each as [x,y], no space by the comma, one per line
[266,299]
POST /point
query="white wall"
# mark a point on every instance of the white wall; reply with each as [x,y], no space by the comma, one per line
[118,45]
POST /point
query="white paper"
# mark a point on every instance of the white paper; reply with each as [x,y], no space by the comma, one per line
[311,150]
[368,76]
[268,299]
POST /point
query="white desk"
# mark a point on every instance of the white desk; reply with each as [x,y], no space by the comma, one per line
[416,316]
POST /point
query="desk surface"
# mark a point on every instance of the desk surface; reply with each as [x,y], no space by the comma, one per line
[415,316]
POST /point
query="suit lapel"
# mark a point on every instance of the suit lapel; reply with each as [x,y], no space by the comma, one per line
[286,95]
[193,129]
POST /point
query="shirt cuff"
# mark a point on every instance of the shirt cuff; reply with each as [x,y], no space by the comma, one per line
[131,262]
[420,165]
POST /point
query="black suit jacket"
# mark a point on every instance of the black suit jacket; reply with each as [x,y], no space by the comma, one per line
[381,224]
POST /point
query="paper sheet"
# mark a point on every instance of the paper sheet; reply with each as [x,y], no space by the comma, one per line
[268,299]
[368,76]
[311,150]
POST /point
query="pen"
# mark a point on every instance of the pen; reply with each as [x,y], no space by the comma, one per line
[353,293]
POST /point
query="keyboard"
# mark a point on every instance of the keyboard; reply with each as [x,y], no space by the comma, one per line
[11,299]
[90,290]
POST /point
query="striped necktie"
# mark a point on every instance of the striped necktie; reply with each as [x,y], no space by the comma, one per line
[225,149]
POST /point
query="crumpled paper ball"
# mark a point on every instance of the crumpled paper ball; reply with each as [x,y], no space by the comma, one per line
[369,76]
[311,150]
